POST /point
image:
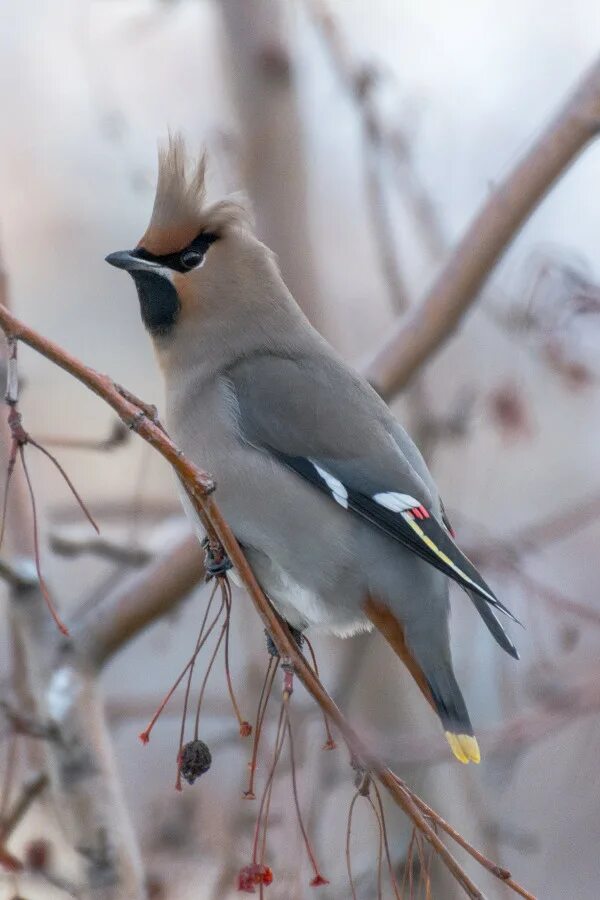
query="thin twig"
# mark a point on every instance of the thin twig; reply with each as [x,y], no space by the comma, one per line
[70,484]
[30,792]
[36,546]
[503,874]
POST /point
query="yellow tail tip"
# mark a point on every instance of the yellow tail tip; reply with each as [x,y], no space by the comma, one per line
[464,747]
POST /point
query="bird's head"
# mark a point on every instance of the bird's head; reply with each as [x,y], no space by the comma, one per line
[194,262]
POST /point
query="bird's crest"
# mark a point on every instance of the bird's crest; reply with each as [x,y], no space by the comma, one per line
[179,213]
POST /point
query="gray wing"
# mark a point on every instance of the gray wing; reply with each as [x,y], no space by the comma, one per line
[323,422]
[317,408]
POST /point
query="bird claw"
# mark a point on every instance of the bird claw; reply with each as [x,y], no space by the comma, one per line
[216,561]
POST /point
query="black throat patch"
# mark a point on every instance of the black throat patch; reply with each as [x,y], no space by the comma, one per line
[159,303]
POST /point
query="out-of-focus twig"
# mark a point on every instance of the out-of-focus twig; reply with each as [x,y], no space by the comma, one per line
[23,723]
[506,554]
[31,791]
[501,873]
[360,80]
[272,149]
[105,548]
[514,736]
[118,436]
[498,221]
[140,600]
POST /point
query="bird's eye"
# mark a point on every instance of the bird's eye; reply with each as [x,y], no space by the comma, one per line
[190,259]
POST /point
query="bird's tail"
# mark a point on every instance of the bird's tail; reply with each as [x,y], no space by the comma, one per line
[493,624]
[436,682]
[448,702]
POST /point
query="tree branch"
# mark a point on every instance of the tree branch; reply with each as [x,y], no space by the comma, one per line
[30,792]
[200,487]
[140,600]
[510,204]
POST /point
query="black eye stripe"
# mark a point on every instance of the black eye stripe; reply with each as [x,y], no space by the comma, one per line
[175,261]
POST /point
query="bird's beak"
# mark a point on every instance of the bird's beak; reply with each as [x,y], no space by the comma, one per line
[124,259]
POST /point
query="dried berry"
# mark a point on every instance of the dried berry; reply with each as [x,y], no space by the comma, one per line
[194,760]
[250,876]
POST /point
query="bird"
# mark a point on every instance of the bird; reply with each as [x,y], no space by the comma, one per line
[328,496]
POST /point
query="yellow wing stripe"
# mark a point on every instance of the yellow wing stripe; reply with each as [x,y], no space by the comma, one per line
[441,555]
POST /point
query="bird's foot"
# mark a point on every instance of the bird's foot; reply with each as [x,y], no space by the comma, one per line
[296,635]
[216,561]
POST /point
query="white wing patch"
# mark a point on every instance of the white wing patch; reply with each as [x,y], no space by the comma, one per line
[338,491]
[396,502]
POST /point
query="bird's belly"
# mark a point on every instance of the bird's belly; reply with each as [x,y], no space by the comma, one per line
[299,543]
[304,607]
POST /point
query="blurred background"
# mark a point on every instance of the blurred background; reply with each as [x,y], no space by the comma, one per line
[366,135]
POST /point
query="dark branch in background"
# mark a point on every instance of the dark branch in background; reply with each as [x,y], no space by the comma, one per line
[104,548]
[200,487]
[275,170]
[139,601]
[382,144]
[509,205]
[118,436]
[30,792]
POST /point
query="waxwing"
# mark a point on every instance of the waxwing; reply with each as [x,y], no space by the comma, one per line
[329,497]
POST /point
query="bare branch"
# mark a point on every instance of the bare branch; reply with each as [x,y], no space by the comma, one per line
[273,157]
[509,205]
[117,437]
[140,600]
[64,545]
[30,792]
